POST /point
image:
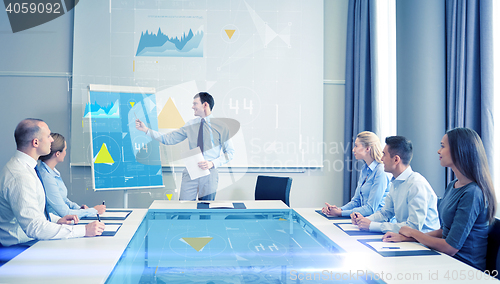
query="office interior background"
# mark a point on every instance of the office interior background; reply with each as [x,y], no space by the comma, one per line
[36,68]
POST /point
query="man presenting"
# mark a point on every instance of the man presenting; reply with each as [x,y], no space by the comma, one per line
[206,132]
[411,199]
[23,216]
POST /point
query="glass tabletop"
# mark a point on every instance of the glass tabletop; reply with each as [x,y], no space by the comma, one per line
[230,246]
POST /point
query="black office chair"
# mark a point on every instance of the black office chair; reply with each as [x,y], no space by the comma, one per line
[268,188]
[273,188]
[493,253]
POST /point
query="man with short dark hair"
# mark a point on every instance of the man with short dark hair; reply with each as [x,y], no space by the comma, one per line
[211,135]
[23,217]
[411,199]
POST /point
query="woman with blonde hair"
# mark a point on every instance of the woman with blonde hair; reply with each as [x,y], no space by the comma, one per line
[373,183]
[55,189]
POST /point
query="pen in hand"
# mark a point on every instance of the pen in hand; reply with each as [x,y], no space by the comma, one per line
[356,216]
[98,218]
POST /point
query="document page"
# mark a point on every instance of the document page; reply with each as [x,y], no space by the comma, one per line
[221,205]
[114,214]
[191,158]
[402,246]
[348,227]
[111,228]
[108,228]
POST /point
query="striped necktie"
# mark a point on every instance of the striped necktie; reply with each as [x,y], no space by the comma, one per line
[40,178]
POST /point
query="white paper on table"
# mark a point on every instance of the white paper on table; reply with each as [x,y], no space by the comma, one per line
[402,246]
[221,205]
[84,222]
[87,221]
[107,228]
[114,214]
[191,158]
[348,227]
[111,228]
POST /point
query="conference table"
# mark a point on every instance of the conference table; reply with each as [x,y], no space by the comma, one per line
[232,242]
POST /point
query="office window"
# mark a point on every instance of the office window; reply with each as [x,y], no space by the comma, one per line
[496,96]
[386,68]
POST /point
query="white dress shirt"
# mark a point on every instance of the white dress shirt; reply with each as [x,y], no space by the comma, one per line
[412,201]
[22,205]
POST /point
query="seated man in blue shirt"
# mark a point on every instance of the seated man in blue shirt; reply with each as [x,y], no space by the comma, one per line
[411,199]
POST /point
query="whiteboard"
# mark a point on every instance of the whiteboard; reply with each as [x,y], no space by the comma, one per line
[261,60]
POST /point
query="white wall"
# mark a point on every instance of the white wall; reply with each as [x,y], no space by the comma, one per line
[314,187]
[421,72]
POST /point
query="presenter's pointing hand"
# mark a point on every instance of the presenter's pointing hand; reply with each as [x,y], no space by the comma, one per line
[140,126]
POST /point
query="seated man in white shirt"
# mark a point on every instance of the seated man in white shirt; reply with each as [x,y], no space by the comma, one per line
[411,199]
[23,216]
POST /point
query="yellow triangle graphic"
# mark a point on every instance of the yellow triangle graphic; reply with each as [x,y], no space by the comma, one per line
[170,117]
[132,104]
[230,33]
[103,157]
[281,219]
[197,243]
[169,196]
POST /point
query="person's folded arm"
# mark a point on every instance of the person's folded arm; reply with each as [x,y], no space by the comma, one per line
[429,240]
[354,203]
[71,204]
[376,194]
[383,216]
[57,203]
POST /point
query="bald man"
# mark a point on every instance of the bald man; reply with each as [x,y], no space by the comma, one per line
[23,217]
